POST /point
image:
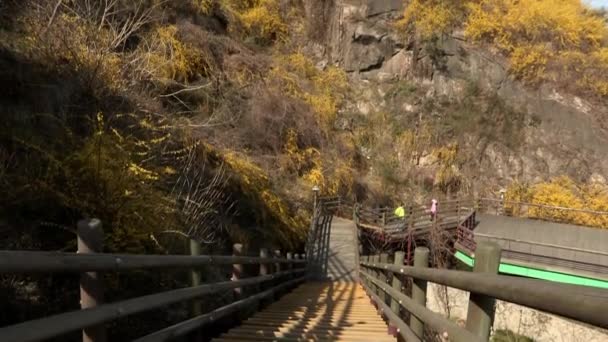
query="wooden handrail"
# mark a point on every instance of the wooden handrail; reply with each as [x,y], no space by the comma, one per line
[192,324]
[394,319]
[95,313]
[434,320]
[494,237]
[576,302]
[52,262]
[545,206]
[52,326]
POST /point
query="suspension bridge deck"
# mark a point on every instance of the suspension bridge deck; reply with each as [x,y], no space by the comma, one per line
[315,311]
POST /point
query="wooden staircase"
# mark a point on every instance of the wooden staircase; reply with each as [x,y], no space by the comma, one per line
[316,311]
[342,256]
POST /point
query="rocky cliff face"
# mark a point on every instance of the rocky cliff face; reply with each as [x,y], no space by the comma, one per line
[557,134]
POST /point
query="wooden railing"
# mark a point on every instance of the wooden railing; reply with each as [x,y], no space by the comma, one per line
[595,262]
[276,274]
[576,259]
[384,283]
[417,220]
[539,211]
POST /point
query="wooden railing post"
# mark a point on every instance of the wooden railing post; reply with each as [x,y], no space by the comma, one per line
[363,280]
[277,269]
[263,266]
[383,219]
[395,307]
[290,266]
[238,273]
[383,277]
[421,260]
[480,314]
[410,224]
[315,198]
[195,280]
[237,270]
[264,270]
[90,240]
[277,266]
[374,273]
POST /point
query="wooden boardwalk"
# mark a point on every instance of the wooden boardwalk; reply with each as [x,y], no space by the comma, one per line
[316,311]
[342,257]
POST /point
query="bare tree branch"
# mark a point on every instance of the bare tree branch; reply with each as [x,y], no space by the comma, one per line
[202,202]
[52,19]
[186,89]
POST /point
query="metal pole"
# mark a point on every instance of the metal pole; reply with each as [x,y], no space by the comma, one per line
[480,314]
[421,260]
[90,240]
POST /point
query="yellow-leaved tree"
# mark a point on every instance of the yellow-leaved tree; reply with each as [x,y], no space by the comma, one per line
[565,193]
[323,90]
[561,41]
[432,17]
[546,40]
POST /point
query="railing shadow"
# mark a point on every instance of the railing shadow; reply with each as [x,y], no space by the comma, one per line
[308,314]
[318,243]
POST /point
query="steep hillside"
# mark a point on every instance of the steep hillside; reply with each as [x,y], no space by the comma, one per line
[261,100]
[213,119]
[167,120]
[450,103]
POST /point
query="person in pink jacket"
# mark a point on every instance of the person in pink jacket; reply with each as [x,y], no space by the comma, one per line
[433,209]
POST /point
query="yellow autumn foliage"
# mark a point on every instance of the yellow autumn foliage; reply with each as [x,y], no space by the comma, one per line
[530,62]
[283,224]
[448,175]
[561,192]
[432,17]
[260,19]
[165,56]
[72,45]
[545,39]
[309,164]
[323,90]
[203,6]
[565,24]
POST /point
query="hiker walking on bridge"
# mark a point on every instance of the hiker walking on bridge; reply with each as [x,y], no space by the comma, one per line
[433,209]
[400,211]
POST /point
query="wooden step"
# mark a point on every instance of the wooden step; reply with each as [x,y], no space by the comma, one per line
[316,312]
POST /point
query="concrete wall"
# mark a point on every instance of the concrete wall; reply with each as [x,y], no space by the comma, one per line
[540,326]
